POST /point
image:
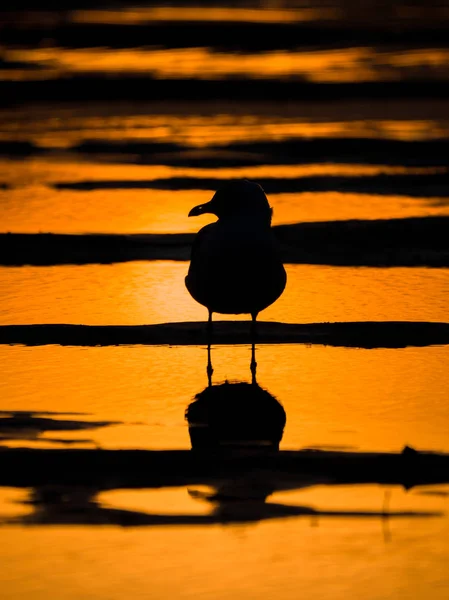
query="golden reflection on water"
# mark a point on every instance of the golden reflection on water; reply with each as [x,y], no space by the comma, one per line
[32,205]
[369,497]
[329,559]
[199,127]
[68,211]
[335,65]
[35,172]
[138,15]
[169,501]
[379,399]
[154,292]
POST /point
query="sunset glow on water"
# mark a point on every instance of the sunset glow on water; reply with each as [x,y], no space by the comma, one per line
[363,64]
[119,120]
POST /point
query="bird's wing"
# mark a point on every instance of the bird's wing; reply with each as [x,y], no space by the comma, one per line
[202,235]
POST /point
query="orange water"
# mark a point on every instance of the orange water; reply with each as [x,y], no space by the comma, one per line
[334,397]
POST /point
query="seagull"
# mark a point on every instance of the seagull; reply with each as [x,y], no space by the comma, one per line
[235,265]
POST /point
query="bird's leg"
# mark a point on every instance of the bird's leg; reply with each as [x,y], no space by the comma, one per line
[253,365]
[209,340]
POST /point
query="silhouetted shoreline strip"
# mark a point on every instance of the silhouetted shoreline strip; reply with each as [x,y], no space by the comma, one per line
[340,150]
[52,249]
[17,148]
[421,185]
[228,36]
[375,334]
[411,242]
[357,150]
[86,88]
[115,469]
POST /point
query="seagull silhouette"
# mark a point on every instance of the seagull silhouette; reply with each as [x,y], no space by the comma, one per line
[235,266]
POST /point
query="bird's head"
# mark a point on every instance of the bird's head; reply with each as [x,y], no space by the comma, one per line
[239,198]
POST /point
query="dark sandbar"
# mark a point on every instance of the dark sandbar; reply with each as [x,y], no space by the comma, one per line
[376,334]
[411,242]
[114,469]
[91,88]
[356,150]
[422,185]
[231,36]
[430,152]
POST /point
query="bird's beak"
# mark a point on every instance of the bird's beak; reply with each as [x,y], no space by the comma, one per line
[201,209]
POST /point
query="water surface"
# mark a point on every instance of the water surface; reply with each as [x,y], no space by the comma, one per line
[114,145]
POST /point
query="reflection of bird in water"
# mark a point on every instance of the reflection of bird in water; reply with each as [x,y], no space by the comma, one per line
[235,415]
[235,265]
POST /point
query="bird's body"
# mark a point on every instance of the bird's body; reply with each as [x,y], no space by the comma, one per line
[235,265]
[235,270]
